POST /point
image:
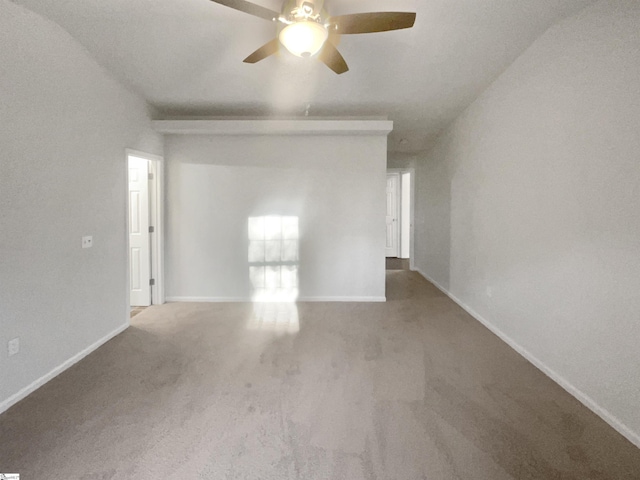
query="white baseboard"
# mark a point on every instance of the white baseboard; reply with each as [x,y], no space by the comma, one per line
[301,299]
[13,399]
[585,399]
[342,299]
[208,299]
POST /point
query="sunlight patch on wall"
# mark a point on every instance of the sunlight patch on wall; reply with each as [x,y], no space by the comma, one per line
[273,272]
[273,258]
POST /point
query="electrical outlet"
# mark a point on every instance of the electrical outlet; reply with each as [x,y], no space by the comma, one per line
[87,242]
[13,346]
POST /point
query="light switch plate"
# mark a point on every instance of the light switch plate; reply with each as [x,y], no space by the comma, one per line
[13,346]
[87,242]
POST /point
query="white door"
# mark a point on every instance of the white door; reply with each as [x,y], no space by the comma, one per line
[392,215]
[139,246]
[405,215]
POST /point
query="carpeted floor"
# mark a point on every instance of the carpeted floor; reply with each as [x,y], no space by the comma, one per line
[393,263]
[136,310]
[410,389]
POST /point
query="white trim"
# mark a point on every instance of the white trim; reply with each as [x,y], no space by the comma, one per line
[412,247]
[209,299]
[157,238]
[412,242]
[249,300]
[148,156]
[343,299]
[585,399]
[157,220]
[405,215]
[32,387]
[252,126]
[398,226]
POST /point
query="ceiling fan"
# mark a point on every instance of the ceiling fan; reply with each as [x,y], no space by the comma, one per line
[305,28]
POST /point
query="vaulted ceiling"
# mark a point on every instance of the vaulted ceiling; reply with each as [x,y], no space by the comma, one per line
[185,57]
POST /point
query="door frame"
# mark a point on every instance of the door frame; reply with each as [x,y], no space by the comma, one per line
[398,211]
[412,209]
[156,217]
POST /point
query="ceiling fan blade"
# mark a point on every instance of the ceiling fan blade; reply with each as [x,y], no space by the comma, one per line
[264,51]
[330,56]
[371,22]
[335,39]
[250,8]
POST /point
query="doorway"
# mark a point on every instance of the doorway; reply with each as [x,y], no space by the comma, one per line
[144,229]
[399,217]
[392,247]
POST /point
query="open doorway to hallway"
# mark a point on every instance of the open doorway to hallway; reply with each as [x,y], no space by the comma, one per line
[399,219]
[144,229]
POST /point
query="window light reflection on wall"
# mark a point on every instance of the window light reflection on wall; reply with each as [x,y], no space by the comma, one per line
[273,272]
[273,258]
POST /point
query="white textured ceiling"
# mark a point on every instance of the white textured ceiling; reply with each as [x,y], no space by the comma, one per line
[185,57]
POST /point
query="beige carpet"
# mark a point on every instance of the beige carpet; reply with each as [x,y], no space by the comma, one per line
[393,263]
[410,389]
[136,310]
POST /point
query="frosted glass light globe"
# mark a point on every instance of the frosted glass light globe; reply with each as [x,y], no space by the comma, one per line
[304,39]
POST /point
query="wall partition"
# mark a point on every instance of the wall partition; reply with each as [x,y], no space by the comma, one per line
[275,211]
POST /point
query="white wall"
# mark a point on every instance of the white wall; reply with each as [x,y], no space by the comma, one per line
[335,185]
[529,208]
[401,160]
[65,127]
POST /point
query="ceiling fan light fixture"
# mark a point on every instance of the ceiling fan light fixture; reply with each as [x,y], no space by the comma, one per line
[304,39]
